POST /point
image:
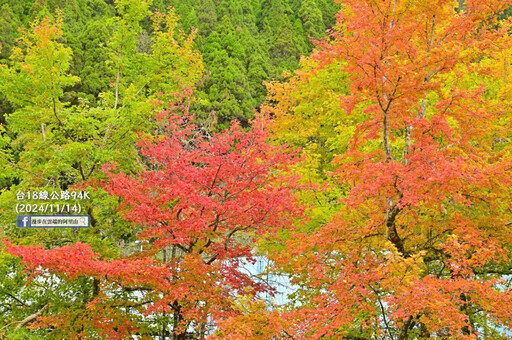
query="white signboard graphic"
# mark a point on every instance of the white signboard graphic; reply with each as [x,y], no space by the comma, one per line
[53,221]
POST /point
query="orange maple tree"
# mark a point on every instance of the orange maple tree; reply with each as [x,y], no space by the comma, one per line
[421,245]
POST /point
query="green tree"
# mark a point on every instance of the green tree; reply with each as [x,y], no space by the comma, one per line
[227,93]
[91,60]
[312,19]
[207,17]
[9,24]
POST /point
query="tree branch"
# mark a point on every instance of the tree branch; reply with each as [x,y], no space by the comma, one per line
[32,317]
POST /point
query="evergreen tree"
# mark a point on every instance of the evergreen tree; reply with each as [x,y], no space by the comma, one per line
[226,87]
[312,19]
[207,17]
[258,64]
[9,24]
[329,8]
[90,62]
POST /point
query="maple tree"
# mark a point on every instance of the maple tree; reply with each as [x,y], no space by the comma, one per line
[420,244]
[197,207]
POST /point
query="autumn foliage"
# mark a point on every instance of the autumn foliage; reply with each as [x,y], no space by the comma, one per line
[380,190]
[419,244]
[198,205]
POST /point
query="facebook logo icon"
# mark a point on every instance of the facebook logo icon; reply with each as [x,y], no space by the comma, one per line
[23,221]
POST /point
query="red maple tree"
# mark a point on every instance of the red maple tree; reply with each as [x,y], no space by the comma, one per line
[197,206]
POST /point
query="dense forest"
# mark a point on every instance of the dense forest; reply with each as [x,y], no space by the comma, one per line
[259,169]
[243,44]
